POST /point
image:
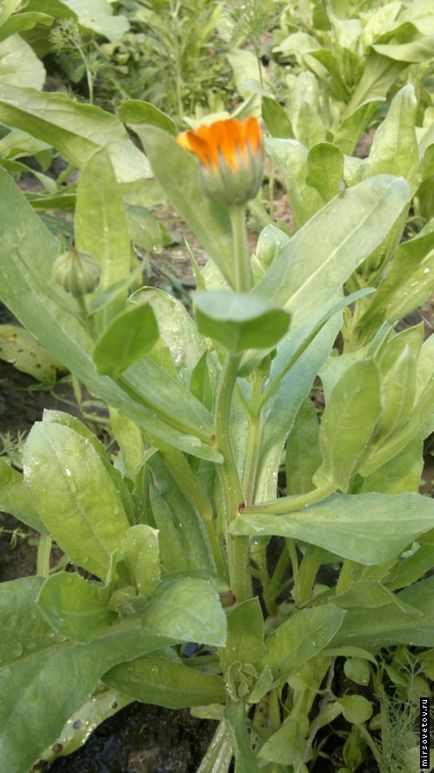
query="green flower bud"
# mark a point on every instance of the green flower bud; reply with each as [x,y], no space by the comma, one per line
[77,272]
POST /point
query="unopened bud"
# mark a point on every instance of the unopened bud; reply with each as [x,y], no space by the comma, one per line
[77,272]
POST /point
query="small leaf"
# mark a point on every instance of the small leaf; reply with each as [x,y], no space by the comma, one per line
[134,112]
[141,552]
[167,682]
[357,670]
[187,610]
[356,708]
[73,606]
[239,321]
[127,338]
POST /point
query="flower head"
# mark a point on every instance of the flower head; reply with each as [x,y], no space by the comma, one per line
[231,158]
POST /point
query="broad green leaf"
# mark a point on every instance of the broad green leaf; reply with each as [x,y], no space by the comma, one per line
[394,149]
[165,681]
[19,66]
[325,169]
[16,500]
[20,22]
[379,74]
[276,118]
[239,321]
[407,282]
[288,743]
[245,634]
[135,113]
[141,552]
[302,455]
[130,441]
[356,708]
[182,534]
[177,330]
[96,15]
[419,50]
[270,241]
[77,500]
[101,228]
[20,348]
[397,402]
[178,174]
[311,268]
[304,109]
[350,129]
[366,528]
[411,568]
[357,670]
[368,594]
[126,339]
[74,607]
[289,388]
[290,157]
[301,638]
[36,663]
[246,68]
[187,609]
[75,130]
[26,288]
[100,706]
[400,475]
[348,423]
[367,628]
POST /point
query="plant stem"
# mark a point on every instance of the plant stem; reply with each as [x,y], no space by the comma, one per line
[43,555]
[232,495]
[242,266]
[290,504]
[253,443]
[306,574]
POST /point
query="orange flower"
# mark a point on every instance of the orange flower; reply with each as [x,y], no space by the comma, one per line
[231,158]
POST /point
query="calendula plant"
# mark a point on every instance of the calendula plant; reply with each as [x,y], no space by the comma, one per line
[158,602]
[346,60]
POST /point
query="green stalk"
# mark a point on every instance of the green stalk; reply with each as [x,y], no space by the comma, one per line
[231,492]
[43,555]
[306,574]
[242,266]
[290,504]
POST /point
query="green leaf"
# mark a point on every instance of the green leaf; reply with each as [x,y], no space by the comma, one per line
[300,638]
[101,705]
[77,500]
[302,454]
[75,130]
[357,670]
[239,321]
[394,149]
[245,639]
[168,682]
[355,708]
[366,528]
[288,743]
[314,264]
[325,167]
[127,338]
[141,552]
[276,118]
[348,423]
[36,663]
[101,228]
[74,607]
[19,66]
[96,15]
[16,500]
[25,353]
[21,22]
[135,112]
[236,721]
[178,174]
[417,51]
[177,330]
[187,609]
